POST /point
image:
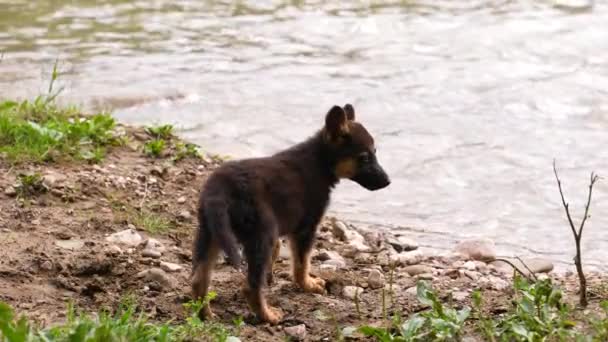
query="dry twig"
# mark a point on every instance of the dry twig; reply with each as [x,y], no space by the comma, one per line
[578,233]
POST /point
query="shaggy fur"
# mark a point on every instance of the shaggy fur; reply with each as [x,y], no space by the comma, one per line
[255,201]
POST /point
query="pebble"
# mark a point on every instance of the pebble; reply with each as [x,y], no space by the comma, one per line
[402,244]
[151,253]
[233,339]
[474,276]
[351,292]
[460,296]
[46,266]
[477,249]
[72,244]
[470,265]
[409,258]
[184,215]
[10,191]
[181,200]
[339,229]
[127,237]
[155,245]
[413,270]
[536,265]
[113,250]
[53,179]
[336,263]
[297,332]
[159,276]
[375,279]
[412,291]
[170,267]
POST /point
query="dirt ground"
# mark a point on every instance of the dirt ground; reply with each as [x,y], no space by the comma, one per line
[54,249]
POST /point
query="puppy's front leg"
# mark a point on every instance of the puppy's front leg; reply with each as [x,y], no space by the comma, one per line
[301,246]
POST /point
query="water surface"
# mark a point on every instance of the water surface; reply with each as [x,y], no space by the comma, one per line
[469,101]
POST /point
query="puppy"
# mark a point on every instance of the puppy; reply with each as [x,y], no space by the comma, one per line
[255,201]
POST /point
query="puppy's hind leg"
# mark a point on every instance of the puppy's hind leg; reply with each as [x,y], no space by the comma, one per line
[206,254]
[259,252]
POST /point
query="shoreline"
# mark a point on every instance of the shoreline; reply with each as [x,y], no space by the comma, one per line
[93,233]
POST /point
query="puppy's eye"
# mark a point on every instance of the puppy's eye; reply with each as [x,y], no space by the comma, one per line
[364,157]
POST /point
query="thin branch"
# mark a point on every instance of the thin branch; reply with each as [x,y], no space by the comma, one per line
[594,179]
[561,193]
[527,268]
[514,267]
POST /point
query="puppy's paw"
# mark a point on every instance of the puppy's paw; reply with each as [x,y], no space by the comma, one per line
[313,285]
[271,315]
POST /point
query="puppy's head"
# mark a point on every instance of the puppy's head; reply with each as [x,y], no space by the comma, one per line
[352,149]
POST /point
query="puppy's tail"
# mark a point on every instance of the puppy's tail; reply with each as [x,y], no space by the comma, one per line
[214,224]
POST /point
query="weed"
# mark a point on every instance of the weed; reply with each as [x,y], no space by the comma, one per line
[30,185]
[195,328]
[185,150]
[154,148]
[41,132]
[124,325]
[539,314]
[151,222]
[440,323]
[164,132]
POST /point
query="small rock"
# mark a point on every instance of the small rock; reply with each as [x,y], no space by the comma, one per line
[409,258]
[497,283]
[412,291]
[46,266]
[477,249]
[52,179]
[72,244]
[339,230]
[159,276]
[151,253]
[233,339]
[339,264]
[181,200]
[170,267]
[536,265]
[349,331]
[539,265]
[472,275]
[375,279]
[402,244]
[414,270]
[10,191]
[425,276]
[327,271]
[460,296]
[351,292]
[113,250]
[358,243]
[156,245]
[36,222]
[184,215]
[470,265]
[128,237]
[297,332]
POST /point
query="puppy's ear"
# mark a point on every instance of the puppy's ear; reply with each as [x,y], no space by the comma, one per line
[350,112]
[335,122]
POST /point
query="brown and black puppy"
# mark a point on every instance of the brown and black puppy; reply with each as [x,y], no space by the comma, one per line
[255,201]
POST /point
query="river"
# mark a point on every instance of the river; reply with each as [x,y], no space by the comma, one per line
[469,101]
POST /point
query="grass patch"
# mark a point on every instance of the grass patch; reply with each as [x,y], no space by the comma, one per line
[164,132]
[124,325]
[538,314]
[39,131]
[154,148]
[151,222]
[29,185]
